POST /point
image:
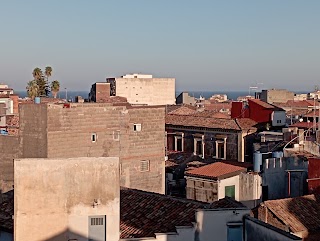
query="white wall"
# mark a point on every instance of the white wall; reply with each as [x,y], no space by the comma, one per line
[212,224]
[150,91]
[9,105]
[53,198]
[228,182]
[278,115]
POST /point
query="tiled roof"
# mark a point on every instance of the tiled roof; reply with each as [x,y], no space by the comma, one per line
[194,121]
[171,108]
[217,170]
[143,213]
[183,110]
[295,104]
[246,123]
[312,113]
[299,213]
[226,202]
[305,125]
[262,103]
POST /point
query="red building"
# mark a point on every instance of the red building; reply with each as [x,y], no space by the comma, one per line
[259,111]
[314,175]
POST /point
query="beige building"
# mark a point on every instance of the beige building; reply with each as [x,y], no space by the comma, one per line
[276,95]
[66,199]
[135,134]
[144,89]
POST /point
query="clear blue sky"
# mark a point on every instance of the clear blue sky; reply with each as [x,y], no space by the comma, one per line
[206,45]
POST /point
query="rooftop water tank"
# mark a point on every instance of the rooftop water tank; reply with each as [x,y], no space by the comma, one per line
[257,161]
[37,100]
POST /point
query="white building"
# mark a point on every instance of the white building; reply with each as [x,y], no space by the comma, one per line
[143,89]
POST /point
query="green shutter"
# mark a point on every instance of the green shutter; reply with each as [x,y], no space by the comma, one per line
[230,191]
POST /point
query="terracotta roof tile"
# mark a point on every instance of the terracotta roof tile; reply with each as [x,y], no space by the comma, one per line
[305,125]
[312,113]
[299,213]
[183,110]
[144,213]
[194,121]
[216,170]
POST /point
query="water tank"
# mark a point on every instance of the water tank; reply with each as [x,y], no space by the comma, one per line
[37,100]
[277,154]
[257,161]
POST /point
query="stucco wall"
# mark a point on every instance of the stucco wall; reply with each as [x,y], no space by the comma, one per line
[250,189]
[265,232]
[150,91]
[212,224]
[57,199]
[228,182]
[275,176]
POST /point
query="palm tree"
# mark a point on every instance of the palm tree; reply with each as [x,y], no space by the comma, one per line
[37,73]
[32,89]
[48,72]
[55,87]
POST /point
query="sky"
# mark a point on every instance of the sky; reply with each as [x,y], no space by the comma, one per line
[206,45]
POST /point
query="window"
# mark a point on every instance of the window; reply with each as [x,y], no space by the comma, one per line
[220,150]
[229,191]
[137,127]
[96,221]
[97,228]
[144,166]
[279,121]
[116,135]
[93,137]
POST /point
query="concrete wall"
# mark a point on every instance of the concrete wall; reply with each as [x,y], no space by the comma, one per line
[228,182]
[254,228]
[70,131]
[212,225]
[278,118]
[275,176]
[33,130]
[9,150]
[276,95]
[150,91]
[58,197]
[250,189]
[185,98]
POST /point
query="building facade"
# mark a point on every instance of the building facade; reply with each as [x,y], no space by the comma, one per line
[92,130]
[276,95]
[144,89]
[67,199]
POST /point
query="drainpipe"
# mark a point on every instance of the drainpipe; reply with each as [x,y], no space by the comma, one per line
[288,183]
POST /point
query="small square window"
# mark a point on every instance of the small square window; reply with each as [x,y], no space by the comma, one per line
[144,166]
[93,137]
[137,127]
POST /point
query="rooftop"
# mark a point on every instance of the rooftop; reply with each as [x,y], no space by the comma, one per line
[299,213]
[209,122]
[217,170]
[144,213]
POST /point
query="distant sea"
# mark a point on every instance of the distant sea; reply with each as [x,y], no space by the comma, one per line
[232,95]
